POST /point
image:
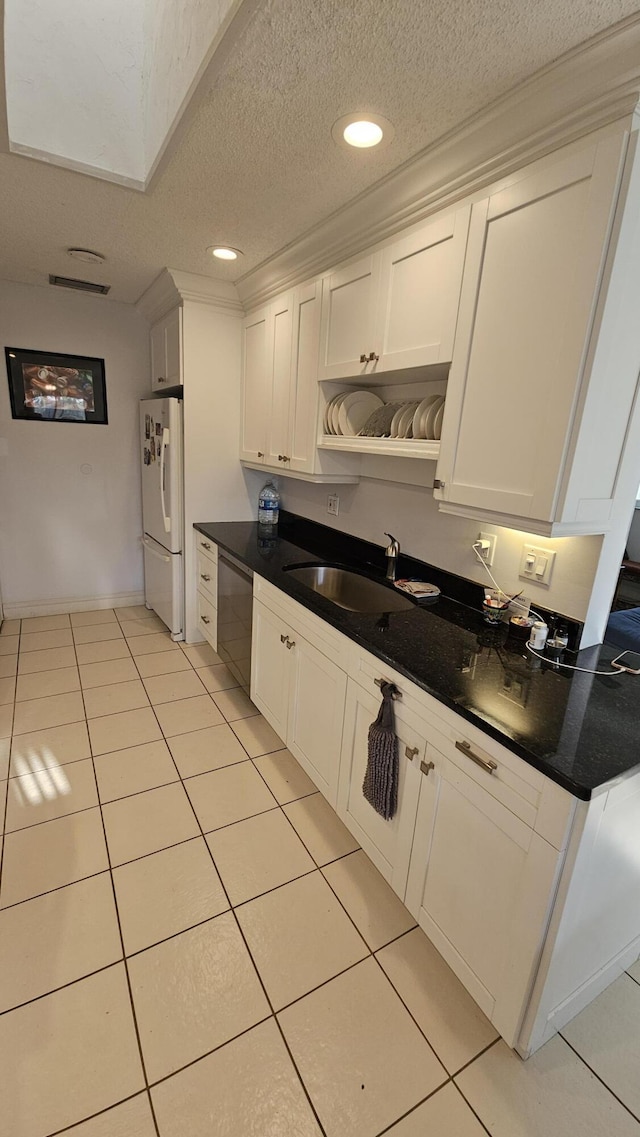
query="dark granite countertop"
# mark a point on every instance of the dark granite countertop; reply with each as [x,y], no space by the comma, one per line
[580,730]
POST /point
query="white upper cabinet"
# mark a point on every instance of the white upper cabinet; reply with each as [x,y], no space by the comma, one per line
[519,439]
[397,307]
[257,379]
[280,389]
[166,351]
[279,407]
[419,293]
[348,335]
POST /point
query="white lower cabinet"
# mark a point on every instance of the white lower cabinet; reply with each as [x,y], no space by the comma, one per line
[206,585]
[481,885]
[387,843]
[298,686]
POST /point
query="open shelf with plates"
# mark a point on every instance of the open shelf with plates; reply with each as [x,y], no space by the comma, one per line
[412,390]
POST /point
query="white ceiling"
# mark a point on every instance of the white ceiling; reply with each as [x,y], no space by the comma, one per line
[256,166]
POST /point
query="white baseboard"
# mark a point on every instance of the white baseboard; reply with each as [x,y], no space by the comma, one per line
[24,609]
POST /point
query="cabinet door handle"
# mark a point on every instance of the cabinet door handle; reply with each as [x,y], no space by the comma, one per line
[438,484]
[205,545]
[260,453]
[425,767]
[290,644]
[410,752]
[395,694]
[486,763]
[363,358]
[160,379]
[204,576]
[373,358]
[283,458]
[283,639]
[205,619]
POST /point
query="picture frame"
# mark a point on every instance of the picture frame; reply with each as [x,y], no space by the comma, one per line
[50,386]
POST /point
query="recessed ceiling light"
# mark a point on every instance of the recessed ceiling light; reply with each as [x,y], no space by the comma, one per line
[87,255]
[362,131]
[224,252]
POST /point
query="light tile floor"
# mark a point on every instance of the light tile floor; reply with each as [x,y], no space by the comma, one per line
[192,944]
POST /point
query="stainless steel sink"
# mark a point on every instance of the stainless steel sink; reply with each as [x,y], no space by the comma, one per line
[348,589]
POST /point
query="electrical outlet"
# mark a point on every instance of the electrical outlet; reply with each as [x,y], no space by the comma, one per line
[486,547]
[536,564]
[333,504]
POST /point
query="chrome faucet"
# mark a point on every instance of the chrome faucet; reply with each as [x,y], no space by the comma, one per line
[392,552]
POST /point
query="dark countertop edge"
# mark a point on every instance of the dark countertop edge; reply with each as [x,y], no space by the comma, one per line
[583,793]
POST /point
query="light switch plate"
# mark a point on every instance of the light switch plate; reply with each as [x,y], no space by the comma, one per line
[333,504]
[536,564]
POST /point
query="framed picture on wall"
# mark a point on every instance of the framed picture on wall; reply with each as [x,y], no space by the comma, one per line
[51,387]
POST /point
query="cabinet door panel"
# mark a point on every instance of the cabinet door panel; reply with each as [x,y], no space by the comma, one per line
[256,393]
[316,715]
[280,412]
[387,843]
[533,271]
[420,293]
[349,299]
[481,884]
[304,367]
[158,357]
[270,667]
[173,348]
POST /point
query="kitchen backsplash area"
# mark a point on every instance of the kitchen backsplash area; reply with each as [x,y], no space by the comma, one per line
[372,506]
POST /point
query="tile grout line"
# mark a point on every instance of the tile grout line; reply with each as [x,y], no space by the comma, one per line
[124,958]
[468,1103]
[599,1078]
[92,1116]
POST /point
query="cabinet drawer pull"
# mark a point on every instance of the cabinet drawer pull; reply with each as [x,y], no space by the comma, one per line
[395,694]
[487,763]
[205,619]
[425,767]
[363,358]
[373,358]
[410,752]
[204,576]
[205,545]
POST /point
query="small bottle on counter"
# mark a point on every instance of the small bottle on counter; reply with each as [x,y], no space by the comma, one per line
[268,506]
[538,637]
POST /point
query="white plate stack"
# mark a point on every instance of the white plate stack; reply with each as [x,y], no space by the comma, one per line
[365,414]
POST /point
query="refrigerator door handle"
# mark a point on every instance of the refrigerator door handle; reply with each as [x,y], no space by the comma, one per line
[154,552]
[165,443]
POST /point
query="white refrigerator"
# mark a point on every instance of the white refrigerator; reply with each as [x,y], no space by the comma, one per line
[162,496]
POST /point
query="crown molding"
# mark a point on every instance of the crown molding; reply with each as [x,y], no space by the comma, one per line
[173,287]
[594,85]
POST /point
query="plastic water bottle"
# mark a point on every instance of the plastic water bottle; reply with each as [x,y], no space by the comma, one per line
[268,505]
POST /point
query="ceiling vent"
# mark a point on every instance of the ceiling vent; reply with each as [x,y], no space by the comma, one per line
[80,285]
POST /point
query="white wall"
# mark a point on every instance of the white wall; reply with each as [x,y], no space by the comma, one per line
[70,538]
[372,506]
[215,486]
[74,81]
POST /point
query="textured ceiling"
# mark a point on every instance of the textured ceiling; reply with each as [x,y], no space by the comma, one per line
[257,165]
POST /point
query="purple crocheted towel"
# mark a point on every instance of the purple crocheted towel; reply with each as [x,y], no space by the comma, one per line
[380,786]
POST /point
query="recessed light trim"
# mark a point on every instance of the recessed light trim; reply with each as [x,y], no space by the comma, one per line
[87,255]
[362,131]
[224,252]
